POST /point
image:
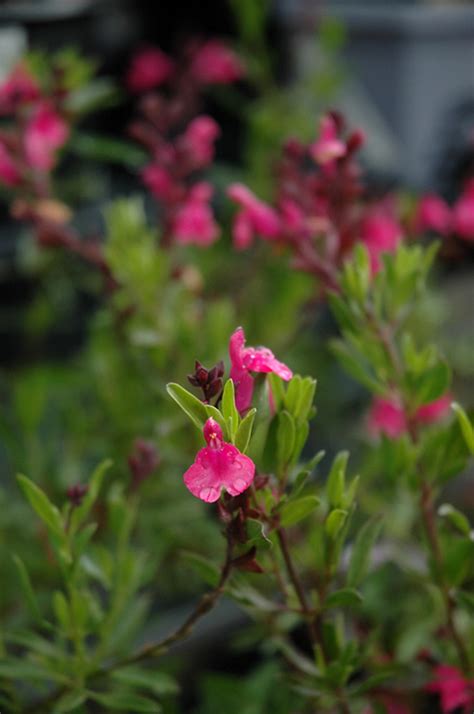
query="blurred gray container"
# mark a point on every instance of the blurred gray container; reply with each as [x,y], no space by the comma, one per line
[415,62]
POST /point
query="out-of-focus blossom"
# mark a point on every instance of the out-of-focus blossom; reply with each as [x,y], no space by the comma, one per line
[453,688]
[256,217]
[199,139]
[158,181]
[148,69]
[17,89]
[328,146]
[463,213]
[142,461]
[380,233]
[218,466]
[215,63]
[76,494]
[9,173]
[386,416]
[434,411]
[45,133]
[434,214]
[245,360]
[194,221]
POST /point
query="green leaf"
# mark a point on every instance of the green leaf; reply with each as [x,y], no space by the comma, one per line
[455,517]
[27,588]
[432,383]
[256,535]
[205,568]
[465,600]
[105,149]
[95,483]
[346,597]
[229,410]
[43,507]
[244,432]
[190,404]
[293,393]
[334,522]
[466,426]
[306,398]
[294,511]
[361,551]
[335,485]
[70,701]
[160,683]
[356,367]
[126,701]
[23,671]
[286,433]
[61,610]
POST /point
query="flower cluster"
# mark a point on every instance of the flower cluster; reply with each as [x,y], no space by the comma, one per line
[434,214]
[387,415]
[321,209]
[180,147]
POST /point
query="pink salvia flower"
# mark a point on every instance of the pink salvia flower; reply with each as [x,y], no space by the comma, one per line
[454,690]
[9,174]
[434,411]
[18,88]
[463,213]
[256,216]
[158,181]
[328,147]
[199,139]
[194,221]
[149,68]
[381,234]
[386,416]
[251,359]
[215,63]
[433,214]
[218,466]
[45,133]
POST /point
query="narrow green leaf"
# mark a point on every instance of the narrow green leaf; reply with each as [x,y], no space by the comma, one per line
[244,432]
[335,485]
[127,701]
[465,600]
[285,438]
[69,702]
[361,552]
[305,402]
[455,517]
[335,522]
[95,483]
[160,683]
[61,610]
[43,507]
[190,404]
[294,511]
[293,393]
[27,588]
[346,597]
[229,410]
[465,424]
[205,568]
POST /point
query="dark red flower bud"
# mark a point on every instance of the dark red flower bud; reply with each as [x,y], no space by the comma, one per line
[143,460]
[76,493]
[209,380]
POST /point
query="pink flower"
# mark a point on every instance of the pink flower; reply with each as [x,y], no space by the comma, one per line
[386,416]
[255,217]
[434,411]
[199,139]
[463,213]
[9,174]
[454,690]
[18,88]
[215,63]
[433,213]
[381,233]
[45,133]
[328,146]
[217,466]
[148,69]
[251,359]
[158,181]
[194,221]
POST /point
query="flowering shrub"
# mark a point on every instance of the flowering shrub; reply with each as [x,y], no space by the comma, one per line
[356,589]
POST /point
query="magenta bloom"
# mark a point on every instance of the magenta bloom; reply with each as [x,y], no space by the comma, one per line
[454,690]
[18,88]
[148,69]
[328,146]
[199,138]
[463,213]
[9,174]
[194,221]
[255,217]
[251,359]
[215,63]
[158,181]
[45,133]
[386,416]
[434,411]
[434,214]
[381,233]
[218,466]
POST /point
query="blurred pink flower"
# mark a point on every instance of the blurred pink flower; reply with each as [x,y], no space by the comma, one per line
[433,213]
[148,69]
[255,217]
[328,146]
[434,411]
[9,174]
[454,690]
[45,133]
[463,213]
[215,63]
[19,87]
[251,359]
[157,180]
[381,233]
[218,466]
[199,138]
[194,221]
[386,416]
